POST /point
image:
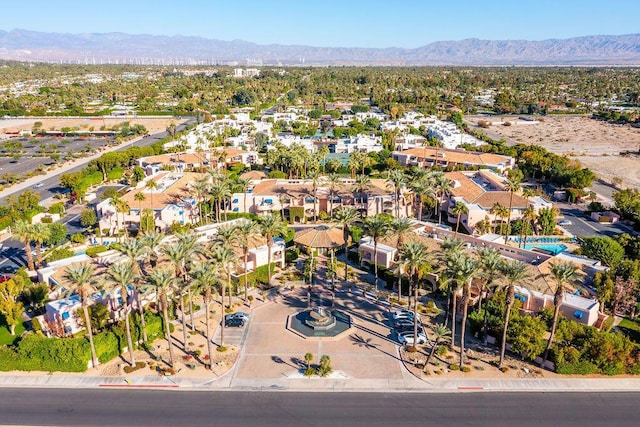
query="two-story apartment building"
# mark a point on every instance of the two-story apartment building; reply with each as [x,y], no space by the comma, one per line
[425,157]
[171,201]
[294,198]
[480,191]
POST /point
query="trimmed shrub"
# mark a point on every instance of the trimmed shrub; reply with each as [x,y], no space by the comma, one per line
[77,238]
[95,250]
[59,253]
[291,255]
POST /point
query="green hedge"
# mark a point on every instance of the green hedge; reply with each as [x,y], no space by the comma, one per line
[35,352]
[260,275]
[95,250]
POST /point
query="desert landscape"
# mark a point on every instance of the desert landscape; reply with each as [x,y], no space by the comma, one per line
[594,143]
[153,124]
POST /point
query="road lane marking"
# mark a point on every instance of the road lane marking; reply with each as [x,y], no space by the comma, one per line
[587,224]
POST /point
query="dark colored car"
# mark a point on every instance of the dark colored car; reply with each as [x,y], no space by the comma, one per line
[234,322]
[8,269]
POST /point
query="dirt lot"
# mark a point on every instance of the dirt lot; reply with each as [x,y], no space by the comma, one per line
[595,143]
[153,124]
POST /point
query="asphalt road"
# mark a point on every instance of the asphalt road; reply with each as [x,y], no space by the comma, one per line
[155,408]
[582,225]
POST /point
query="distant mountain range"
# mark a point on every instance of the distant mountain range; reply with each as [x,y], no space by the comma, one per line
[27,45]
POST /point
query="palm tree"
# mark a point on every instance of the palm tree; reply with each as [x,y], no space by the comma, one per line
[134,250]
[499,211]
[513,185]
[228,260]
[345,216]
[452,249]
[201,188]
[40,234]
[491,260]
[205,277]
[164,282]
[562,272]
[140,197]
[377,228]
[333,181]
[353,164]
[514,272]
[271,226]
[227,236]
[81,278]
[458,209]
[151,185]
[22,230]
[219,191]
[361,185]
[414,257]
[121,275]
[440,333]
[151,243]
[397,179]
[421,187]
[177,256]
[466,269]
[401,228]
[442,185]
[528,216]
[314,175]
[246,233]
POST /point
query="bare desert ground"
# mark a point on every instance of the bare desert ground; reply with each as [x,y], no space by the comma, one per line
[594,143]
[153,124]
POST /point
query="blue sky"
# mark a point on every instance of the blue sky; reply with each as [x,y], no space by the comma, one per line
[351,23]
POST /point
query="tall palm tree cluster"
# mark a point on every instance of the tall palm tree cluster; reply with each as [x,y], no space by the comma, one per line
[419,186]
[487,272]
[32,234]
[175,270]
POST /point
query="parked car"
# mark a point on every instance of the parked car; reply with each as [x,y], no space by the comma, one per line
[404,324]
[406,338]
[409,328]
[564,222]
[8,269]
[234,323]
[404,314]
[237,315]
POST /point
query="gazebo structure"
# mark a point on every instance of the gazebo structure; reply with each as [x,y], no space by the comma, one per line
[322,239]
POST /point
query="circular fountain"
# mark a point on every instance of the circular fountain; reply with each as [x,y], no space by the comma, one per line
[319,321]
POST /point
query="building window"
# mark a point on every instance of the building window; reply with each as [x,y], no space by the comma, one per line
[578,314]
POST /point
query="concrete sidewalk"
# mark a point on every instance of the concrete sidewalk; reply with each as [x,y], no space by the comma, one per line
[435,385]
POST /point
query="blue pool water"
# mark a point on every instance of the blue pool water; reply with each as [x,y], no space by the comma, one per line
[554,249]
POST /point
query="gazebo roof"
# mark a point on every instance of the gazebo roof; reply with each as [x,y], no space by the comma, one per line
[322,236]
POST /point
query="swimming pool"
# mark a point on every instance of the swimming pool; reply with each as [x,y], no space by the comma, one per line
[554,249]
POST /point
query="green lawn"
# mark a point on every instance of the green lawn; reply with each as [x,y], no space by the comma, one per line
[5,337]
[630,328]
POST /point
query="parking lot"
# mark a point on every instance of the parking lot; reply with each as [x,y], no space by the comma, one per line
[31,149]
